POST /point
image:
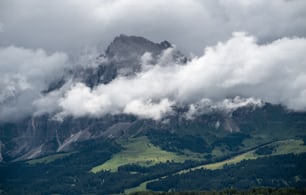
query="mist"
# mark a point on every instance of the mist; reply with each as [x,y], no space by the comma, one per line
[24,74]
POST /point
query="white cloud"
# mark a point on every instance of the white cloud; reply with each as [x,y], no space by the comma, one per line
[81,100]
[49,103]
[24,73]
[274,72]
[228,105]
[148,109]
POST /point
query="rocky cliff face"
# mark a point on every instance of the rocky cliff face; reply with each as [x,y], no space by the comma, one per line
[123,57]
[126,47]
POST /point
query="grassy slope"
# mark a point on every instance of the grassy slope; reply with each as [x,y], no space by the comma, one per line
[282,147]
[139,151]
[142,187]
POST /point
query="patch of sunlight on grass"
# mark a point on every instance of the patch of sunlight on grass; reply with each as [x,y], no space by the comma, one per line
[290,146]
[138,151]
[142,187]
[281,147]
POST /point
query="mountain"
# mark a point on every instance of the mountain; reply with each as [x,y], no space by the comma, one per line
[124,58]
[38,136]
[118,152]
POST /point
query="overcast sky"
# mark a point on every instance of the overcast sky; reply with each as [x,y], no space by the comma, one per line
[70,25]
[39,39]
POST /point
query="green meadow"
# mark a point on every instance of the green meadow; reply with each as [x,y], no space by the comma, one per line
[139,151]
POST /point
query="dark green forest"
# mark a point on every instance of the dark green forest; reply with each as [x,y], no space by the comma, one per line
[277,171]
[255,191]
[69,176]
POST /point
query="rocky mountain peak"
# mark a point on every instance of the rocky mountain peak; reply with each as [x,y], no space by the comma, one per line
[129,46]
[122,57]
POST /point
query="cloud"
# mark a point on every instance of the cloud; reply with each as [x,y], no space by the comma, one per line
[1,27]
[241,65]
[24,73]
[148,109]
[227,106]
[70,25]
[274,72]
[81,100]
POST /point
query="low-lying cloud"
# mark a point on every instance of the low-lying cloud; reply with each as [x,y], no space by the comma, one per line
[234,73]
[24,74]
[273,72]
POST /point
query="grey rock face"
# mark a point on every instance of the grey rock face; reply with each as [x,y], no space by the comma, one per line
[123,57]
[127,47]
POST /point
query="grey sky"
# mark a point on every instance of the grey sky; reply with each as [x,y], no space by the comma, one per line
[71,25]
